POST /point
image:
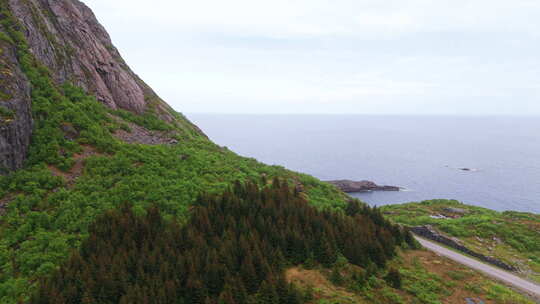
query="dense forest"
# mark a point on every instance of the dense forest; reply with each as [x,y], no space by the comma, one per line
[233,249]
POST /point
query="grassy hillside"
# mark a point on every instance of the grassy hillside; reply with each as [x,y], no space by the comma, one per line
[513,237]
[51,203]
[78,168]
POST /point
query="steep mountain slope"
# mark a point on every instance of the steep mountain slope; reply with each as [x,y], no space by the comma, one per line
[79,157]
[66,38]
[15,107]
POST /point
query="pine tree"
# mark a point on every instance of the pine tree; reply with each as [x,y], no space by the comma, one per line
[267,294]
[393,278]
[195,292]
[310,261]
[293,296]
[336,277]
[353,208]
[226,297]
[326,252]
[249,275]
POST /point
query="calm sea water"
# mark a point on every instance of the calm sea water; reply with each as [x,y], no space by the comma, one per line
[422,154]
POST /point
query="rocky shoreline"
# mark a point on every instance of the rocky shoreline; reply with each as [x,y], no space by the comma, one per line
[350,186]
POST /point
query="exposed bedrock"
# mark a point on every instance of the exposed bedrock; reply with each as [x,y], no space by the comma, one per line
[360,186]
[15,110]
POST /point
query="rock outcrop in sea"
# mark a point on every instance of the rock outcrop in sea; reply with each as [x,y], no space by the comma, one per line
[350,186]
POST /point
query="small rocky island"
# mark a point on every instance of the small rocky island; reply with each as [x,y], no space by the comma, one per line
[350,186]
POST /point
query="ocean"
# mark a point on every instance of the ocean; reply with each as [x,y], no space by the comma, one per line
[422,154]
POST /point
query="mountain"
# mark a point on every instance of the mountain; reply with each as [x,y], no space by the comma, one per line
[81,134]
[108,195]
[67,39]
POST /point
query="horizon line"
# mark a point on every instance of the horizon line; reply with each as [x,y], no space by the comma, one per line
[367,114]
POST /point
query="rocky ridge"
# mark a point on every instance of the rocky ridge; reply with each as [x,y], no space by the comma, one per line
[66,37]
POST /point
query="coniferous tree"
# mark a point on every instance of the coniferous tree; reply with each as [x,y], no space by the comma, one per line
[226,297]
[393,278]
[267,294]
[233,249]
[336,277]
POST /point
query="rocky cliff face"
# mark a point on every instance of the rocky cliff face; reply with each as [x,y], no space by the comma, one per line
[15,116]
[66,37]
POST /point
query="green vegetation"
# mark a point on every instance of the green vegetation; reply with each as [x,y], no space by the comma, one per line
[393,278]
[425,279]
[427,287]
[5,71]
[513,237]
[68,181]
[6,114]
[6,38]
[146,120]
[4,96]
[234,248]
[71,198]
[171,177]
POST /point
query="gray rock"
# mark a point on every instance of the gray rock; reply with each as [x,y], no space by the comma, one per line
[473,301]
[65,36]
[69,40]
[360,186]
[16,130]
[439,216]
[4,203]
[183,157]
[69,131]
[141,135]
[455,210]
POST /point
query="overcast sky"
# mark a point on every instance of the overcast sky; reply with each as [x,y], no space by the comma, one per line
[476,57]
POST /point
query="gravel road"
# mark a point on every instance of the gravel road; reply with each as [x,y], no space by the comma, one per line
[496,273]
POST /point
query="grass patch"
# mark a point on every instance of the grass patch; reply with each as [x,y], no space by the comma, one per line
[5,37]
[6,113]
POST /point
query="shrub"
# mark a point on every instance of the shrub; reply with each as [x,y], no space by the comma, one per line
[393,278]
